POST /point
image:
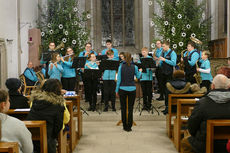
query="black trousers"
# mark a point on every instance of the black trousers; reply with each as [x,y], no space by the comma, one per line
[146,87]
[190,78]
[205,83]
[165,79]
[68,83]
[130,97]
[159,80]
[92,92]
[86,86]
[109,92]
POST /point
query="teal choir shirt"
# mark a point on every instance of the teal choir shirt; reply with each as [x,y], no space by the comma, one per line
[205,65]
[126,88]
[159,52]
[194,58]
[109,74]
[116,56]
[93,65]
[55,73]
[30,74]
[68,71]
[173,59]
[148,75]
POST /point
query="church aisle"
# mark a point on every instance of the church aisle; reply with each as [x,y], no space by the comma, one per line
[106,137]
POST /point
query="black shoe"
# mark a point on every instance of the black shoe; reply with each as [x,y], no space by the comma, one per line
[114,109]
[129,130]
[160,98]
[105,110]
[93,109]
[89,109]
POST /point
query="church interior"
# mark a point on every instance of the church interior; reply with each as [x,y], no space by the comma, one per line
[163,64]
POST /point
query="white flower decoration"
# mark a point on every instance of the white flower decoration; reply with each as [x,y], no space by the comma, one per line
[42,34]
[173,33]
[66,33]
[174,46]
[150,3]
[162,3]
[49,25]
[88,16]
[152,45]
[168,40]
[60,26]
[179,16]
[84,33]
[62,48]
[183,34]
[51,32]
[188,26]
[75,9]
[177,2]
[173,29]
[64,40]
[181,44]
[166,23]
[203,15]
[151,23]
[193,35]
[74,42]
[75,22]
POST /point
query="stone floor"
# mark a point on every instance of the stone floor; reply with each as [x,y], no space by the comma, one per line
[101,135]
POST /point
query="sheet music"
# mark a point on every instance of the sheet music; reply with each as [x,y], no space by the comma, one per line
[22,110]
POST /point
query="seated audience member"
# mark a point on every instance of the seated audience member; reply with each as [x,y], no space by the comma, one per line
[178,86]
[214,105]
[225,70]
[30,75]
[12,129]
[48,105]
[17,100]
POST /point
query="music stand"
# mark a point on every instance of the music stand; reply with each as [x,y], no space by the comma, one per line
[109,65]
[79,62]
[93,74]
[48,55]
[148,63]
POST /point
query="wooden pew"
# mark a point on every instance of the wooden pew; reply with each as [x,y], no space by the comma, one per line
[183,106]
[216,129]
[172,101]
[62,142]
[39,133]
[76,102]
[73,140]
[9,147]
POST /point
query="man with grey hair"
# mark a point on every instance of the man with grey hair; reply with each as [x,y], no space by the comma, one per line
[214,105]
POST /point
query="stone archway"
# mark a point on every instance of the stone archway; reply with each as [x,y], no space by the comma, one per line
[3,61]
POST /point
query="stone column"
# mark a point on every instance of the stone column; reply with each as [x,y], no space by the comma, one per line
[145,21]
[3,66]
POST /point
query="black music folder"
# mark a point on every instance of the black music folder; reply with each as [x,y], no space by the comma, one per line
[79,62]
[47,56]
[109,65]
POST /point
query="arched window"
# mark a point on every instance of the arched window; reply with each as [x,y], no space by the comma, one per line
[117,18]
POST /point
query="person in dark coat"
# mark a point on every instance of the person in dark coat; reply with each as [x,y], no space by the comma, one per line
[17,100]
[214,105]
[178,86]
[48,105]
